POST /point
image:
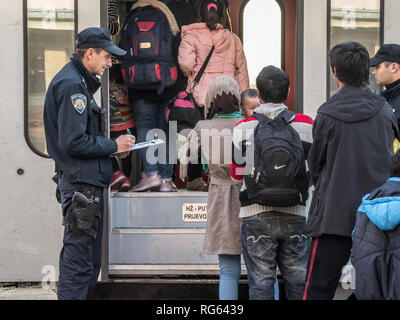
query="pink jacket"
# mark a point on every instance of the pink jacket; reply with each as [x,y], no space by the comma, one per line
[227,59]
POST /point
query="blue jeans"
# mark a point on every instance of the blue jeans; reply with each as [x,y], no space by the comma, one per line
[229,266]
[150,115]
[274,239]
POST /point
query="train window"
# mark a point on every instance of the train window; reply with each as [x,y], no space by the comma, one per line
[262,35]
[356,20]
[49,33]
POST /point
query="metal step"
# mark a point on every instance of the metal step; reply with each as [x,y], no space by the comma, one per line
[156,233]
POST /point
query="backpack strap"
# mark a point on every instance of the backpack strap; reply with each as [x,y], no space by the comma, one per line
[287,115]
[260,117]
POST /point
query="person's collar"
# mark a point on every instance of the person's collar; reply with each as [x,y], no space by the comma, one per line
[270,107]
[92,82]
[394,84]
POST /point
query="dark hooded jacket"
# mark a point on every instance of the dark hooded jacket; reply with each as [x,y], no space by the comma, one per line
[353,137]
[376,244]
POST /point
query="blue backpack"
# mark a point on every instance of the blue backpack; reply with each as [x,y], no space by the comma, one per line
[149,63]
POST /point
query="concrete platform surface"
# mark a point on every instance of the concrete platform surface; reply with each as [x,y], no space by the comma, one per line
[28,293]
[105,291]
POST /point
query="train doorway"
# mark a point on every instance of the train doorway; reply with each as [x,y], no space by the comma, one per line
[153,233]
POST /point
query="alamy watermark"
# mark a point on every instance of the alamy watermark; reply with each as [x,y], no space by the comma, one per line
[49,277]
[215,144]
[349,20]
[348,278]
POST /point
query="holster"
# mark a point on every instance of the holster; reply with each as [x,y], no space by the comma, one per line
[84,211]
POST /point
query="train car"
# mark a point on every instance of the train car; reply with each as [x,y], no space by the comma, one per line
[146,235]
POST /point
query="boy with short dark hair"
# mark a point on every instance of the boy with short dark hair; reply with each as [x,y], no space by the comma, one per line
[272,236]
[353,143]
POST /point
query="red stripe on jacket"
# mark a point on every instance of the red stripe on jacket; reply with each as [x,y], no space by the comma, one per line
[303,118]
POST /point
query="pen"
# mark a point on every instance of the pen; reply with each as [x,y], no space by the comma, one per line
[129,131]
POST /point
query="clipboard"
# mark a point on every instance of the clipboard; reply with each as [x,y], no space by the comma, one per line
[142,145]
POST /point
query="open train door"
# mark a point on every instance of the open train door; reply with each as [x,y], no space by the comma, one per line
[155,235]
[152,233]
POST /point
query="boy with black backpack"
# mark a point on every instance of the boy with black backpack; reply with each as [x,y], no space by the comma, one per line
[274,195]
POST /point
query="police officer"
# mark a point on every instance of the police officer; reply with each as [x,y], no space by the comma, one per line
[72,121]
[386,64]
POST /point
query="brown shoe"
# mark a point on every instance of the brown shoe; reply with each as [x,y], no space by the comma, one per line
[147,183]
[197,184]
[167,186]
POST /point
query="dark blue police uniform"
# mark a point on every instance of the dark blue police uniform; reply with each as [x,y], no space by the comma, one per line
[72,121]
[390,53]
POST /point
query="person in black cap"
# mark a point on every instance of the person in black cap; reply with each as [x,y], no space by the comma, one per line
[72,121]
[386,64]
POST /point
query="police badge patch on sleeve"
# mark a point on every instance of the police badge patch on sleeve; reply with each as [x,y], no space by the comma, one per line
[79,101]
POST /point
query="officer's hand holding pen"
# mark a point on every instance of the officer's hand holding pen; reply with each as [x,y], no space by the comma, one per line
[125,142]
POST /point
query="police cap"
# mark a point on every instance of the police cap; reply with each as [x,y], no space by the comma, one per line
[97,38]
[387,52]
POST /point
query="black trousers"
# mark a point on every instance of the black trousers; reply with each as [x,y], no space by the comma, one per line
[329,254]
[195,171]
[80,257]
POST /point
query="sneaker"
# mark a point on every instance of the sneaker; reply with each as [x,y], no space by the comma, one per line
[147,183]
[167,186]
[117,180]
[197,184]
[126,185]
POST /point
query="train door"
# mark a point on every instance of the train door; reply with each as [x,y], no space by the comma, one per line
[153,233]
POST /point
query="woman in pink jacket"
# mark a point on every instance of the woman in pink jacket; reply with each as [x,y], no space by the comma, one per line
[197,40]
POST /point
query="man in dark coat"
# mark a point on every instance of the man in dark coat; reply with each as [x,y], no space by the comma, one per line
[386,64]
[72,122]
[353,137]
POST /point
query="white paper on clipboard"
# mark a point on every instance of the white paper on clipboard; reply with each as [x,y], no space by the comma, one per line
[145,144]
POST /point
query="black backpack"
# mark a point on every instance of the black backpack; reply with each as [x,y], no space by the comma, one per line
[279,176]
[149,63]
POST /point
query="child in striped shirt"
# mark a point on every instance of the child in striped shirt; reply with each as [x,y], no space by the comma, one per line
[121,122]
